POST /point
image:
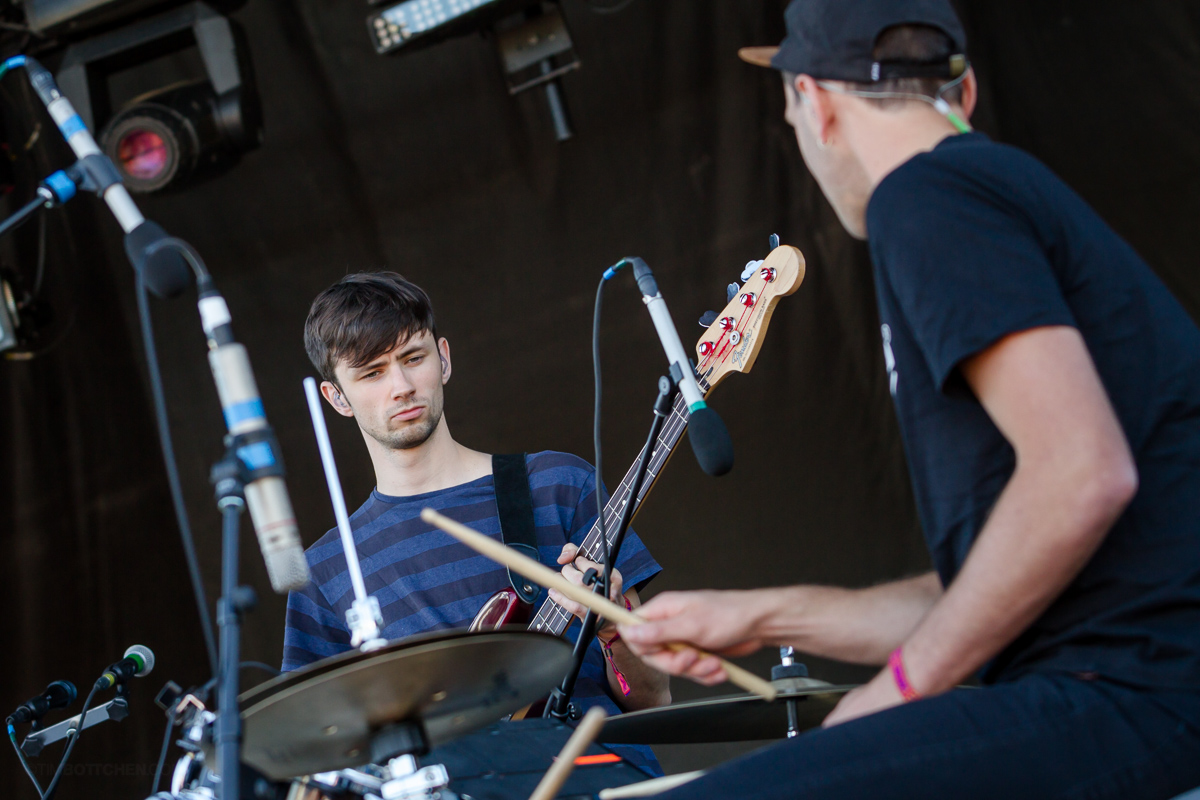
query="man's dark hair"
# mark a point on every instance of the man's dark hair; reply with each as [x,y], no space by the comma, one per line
[911,44]
[363,316]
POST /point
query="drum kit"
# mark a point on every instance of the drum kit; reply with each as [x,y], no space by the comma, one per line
[425,719]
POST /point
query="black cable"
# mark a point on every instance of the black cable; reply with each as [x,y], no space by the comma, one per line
[40,272]
[260,665]
[162,753]
[58,773]
[168,451]
[12,737]
[596,433]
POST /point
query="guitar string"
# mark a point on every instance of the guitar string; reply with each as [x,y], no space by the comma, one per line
[672,430]
[556,617]
[553,616]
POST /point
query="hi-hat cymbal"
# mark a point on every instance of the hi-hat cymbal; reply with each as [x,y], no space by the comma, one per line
[323,717]
[735,718]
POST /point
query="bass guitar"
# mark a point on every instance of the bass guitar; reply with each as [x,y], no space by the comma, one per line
[730,344]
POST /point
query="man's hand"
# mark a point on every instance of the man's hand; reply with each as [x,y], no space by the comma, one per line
[877,695]
[716,621]
[574,567]
[647,687]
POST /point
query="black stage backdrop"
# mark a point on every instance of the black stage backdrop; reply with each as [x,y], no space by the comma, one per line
[423,164]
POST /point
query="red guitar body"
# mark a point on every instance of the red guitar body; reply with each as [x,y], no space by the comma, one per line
[502,608]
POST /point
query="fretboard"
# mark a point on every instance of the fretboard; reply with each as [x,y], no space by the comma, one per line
[553,618]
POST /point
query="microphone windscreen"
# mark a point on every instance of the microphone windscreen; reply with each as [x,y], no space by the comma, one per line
[165,272]
[287,570]
[61,693]
[145,654]
[710,442]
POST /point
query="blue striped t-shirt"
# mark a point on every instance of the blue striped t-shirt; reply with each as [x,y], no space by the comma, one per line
[425,580]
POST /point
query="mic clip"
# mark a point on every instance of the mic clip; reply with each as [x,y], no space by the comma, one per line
[677,374]
[248,457]
[116,709]
[94,173]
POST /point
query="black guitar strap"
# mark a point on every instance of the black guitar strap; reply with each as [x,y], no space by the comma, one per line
[515,503]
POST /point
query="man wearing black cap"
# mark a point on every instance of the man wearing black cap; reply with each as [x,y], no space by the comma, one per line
[1047,387]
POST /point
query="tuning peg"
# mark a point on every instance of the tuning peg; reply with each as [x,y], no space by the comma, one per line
[751,268]
[731,292]
[774,241]
[708,318]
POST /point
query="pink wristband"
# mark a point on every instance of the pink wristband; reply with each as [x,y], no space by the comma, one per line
[896,663]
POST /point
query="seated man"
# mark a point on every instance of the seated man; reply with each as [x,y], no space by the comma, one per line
[373,339]
[1047,387]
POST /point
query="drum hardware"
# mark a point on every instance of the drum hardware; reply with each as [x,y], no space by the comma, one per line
[407,781]
[732,718]
[364,617]
[789,669]
[404,699]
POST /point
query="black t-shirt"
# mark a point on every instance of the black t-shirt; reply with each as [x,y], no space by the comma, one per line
[974,241]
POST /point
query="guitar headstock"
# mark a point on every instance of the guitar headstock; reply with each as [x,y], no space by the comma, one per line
[732,342]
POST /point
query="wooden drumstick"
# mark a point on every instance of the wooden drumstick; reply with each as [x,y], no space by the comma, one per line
[562,767]
[651,787]
[541,574]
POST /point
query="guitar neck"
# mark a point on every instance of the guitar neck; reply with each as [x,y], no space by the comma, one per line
[553,618]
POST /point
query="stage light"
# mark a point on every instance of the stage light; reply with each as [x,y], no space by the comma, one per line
[170,96]
[171,136]
[430,20]
[142,152]
[531,36]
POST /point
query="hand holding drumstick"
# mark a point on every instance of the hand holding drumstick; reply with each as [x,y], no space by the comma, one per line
[545,576]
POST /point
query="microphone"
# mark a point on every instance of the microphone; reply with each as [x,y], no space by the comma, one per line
[137,663]
[58,694]
[710,440]
[166,273]
[266,494]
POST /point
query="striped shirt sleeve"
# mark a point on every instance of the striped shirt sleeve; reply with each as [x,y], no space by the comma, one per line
[313,630]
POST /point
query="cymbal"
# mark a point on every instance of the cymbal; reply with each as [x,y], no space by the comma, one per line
[735,718]
[322,718]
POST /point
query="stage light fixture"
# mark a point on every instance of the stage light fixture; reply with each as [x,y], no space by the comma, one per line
[171,96]
[531,36]
[427,21]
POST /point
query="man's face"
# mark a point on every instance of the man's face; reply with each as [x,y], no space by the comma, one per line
[832,164]
[397,397]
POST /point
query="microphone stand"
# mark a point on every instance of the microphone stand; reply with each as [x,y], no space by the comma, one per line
[162,264]
[229,479]
[559,705]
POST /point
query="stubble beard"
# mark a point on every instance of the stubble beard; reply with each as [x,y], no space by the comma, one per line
[409,436]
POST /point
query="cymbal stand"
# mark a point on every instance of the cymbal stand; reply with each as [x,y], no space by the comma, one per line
[364,617]
[559,706]
[789,667]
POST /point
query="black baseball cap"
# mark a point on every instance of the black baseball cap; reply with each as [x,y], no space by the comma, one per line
[834,40]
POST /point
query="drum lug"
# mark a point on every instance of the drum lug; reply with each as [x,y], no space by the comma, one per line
[409,783]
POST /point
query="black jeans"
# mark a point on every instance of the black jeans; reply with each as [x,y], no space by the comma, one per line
[1041,736]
